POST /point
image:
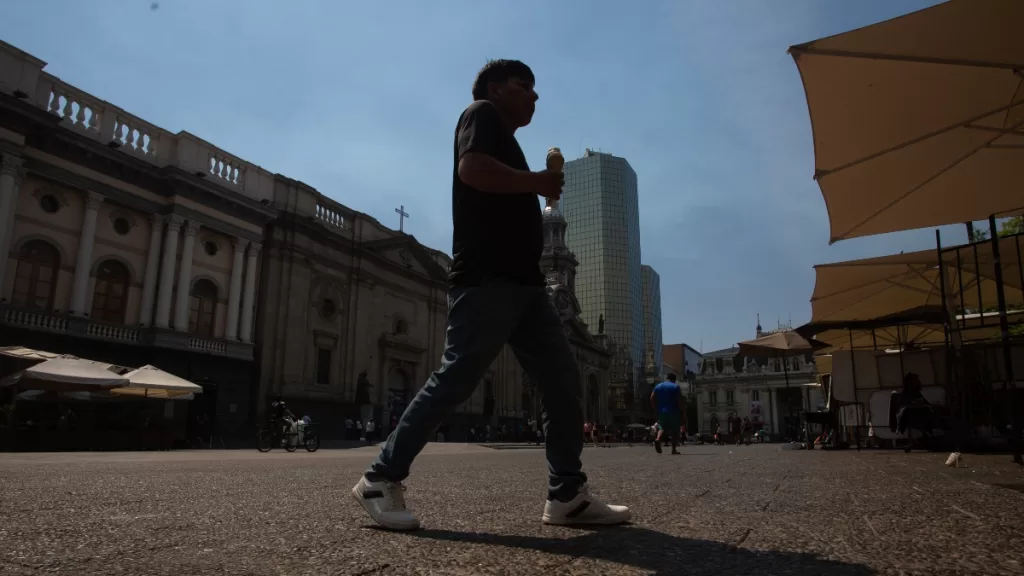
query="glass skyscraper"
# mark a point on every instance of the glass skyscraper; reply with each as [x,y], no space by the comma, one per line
[652,322]
[600,203]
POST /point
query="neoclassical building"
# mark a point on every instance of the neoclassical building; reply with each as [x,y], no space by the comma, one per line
[769,391]
[123,242]
[126,243]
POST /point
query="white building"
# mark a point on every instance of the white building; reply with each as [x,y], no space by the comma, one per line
[769,391]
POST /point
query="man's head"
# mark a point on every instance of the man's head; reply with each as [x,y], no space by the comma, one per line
[508,84]
[671,377]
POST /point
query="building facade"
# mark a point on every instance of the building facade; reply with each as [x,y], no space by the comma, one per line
[593,352]
[126,243]
[683,360]
[600,203]
[653,355]
[770,392]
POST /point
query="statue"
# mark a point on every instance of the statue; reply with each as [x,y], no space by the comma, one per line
[363,390]
[600,324]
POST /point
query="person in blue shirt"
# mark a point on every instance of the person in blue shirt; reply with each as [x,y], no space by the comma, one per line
[667,401]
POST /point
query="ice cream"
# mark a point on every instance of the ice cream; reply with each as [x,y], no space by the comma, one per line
[555,159]
[555,162]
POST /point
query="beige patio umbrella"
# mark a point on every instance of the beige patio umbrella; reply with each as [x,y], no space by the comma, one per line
[152,382]
[875,288]
[66,374]
[917,121]
[785,344]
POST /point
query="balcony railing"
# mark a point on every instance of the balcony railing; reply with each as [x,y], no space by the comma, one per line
[95,118]
[34,320]
[40,321]
[333,214]
[112,332]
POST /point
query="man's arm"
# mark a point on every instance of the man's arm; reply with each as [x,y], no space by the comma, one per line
[490,175]
[480,136]
[654,402]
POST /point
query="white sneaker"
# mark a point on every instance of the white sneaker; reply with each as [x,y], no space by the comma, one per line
[584,509]
[385,503]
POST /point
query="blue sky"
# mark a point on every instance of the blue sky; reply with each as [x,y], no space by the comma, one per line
[360,99]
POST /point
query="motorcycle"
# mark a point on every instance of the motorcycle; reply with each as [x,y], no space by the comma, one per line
[301,432]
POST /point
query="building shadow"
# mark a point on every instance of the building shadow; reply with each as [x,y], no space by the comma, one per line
[660,553]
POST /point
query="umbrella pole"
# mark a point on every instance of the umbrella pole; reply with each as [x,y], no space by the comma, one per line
[853,372]
[1009,382]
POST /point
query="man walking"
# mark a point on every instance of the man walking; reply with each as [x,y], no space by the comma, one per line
[496,295]
[667,401]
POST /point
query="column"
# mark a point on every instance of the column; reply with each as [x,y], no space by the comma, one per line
[163,302]
[249,293]
[10,181]
[152,269]
[83,263]
[235,290]
[185,278]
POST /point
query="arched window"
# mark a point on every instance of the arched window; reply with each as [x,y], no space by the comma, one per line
[111,294]
[203,308]
[36,276]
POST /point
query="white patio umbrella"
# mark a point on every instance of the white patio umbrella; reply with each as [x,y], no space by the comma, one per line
[152,382]
[67,374]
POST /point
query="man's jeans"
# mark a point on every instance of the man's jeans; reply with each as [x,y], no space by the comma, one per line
[481,320]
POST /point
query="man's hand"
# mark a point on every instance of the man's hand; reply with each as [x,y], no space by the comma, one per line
[548,184]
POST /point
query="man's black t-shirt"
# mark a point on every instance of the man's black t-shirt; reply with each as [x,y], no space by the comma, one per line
[496,235]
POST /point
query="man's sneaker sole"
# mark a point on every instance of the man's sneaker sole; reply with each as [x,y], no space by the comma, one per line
[403,527]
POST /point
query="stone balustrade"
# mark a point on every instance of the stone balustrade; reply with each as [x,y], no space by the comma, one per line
[16,317]
[207,345]
[332,213]
[22,75]
[101,121]
[35,320]
[112,332]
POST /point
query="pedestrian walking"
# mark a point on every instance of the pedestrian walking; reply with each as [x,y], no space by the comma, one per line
[371,429]
[496,296]
[667,401]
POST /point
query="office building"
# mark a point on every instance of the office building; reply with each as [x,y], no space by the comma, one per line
[651,289]
[601,206]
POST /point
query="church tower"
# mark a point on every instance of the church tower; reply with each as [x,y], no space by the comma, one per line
[759,331]
[556,262]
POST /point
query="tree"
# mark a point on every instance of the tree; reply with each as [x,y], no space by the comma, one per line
[1012,226]
[1007,227]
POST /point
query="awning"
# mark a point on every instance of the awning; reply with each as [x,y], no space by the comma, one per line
[887,287]
[152,382]
[917,121]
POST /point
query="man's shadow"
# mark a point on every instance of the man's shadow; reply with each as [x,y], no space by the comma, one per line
[660,553]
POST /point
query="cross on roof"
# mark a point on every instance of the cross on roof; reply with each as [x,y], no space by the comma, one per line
[402,215]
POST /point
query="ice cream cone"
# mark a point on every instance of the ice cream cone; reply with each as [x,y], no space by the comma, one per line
[555,163]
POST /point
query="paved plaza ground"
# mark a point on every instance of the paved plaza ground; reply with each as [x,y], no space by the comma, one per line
[713,511]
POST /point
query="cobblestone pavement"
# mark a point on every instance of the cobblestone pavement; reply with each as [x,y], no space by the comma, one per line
[713,511]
